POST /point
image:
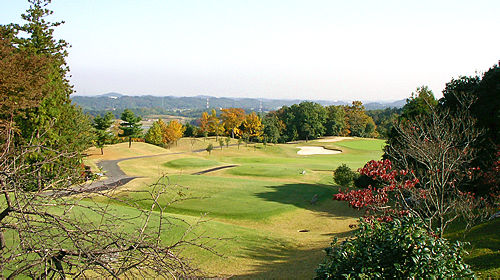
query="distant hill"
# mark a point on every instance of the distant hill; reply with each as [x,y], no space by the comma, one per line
[111,95]
[161,104]
[383,105]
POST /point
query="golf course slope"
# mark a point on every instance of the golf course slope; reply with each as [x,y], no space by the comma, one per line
[271,206]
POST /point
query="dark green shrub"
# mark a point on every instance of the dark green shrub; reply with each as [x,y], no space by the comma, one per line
[399,249]
[362,181]
[344,176]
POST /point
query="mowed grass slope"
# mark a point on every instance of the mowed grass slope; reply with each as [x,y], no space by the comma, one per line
[262,204]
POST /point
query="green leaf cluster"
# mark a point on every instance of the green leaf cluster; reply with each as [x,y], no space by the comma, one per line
[344,176]
[154,134]
[399,249]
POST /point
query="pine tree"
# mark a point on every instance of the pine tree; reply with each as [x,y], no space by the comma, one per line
[131,126]
[102,125]
[55,124]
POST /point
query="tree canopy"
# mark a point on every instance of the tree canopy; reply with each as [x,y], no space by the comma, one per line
[101,126]
[232,118]
[54,120]
[130,126]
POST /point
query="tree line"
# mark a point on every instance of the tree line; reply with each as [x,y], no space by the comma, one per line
[304,121]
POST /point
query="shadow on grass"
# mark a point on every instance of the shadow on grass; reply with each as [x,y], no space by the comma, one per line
[341,235]
[275,260]
[484,248]
[314,197]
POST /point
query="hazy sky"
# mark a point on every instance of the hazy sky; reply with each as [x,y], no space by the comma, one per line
[334,50]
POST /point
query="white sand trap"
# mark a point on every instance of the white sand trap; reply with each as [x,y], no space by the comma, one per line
[311,150]
[334,139]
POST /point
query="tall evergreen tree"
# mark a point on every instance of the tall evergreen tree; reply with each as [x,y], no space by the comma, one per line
[131,125]
[102,125]
[56,125]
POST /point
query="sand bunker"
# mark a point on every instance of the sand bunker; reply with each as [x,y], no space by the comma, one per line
[311,150]
[334,139]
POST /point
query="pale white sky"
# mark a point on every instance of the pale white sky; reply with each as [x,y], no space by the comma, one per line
[310,49]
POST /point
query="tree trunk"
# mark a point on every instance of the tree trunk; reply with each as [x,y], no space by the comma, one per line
[102,150]
[3,244]
[129,142]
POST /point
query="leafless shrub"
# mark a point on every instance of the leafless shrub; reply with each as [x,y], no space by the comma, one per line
[62,230]
[439,148]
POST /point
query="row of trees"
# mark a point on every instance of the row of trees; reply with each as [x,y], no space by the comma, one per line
[163,134]
[129,127]
[309,120]
[442,156]
[304,121]
[233,122]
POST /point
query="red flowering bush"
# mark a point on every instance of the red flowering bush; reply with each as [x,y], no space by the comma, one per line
[399,192]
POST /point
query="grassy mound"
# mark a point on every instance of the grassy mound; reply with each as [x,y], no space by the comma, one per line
[263,170]
[191,163]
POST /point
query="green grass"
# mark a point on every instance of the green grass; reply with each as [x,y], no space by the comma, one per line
[261,204]
[265,198]
[188,163]
[266,170]
[233,238]
[236,198]
[362,144]
[484,247]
